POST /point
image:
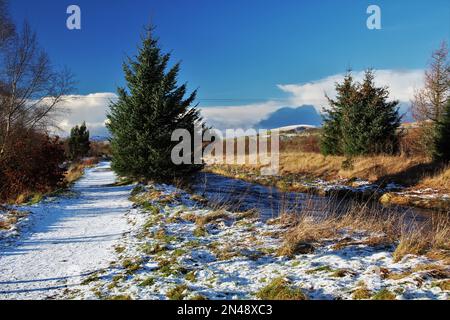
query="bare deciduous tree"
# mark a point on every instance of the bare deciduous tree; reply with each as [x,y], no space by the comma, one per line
[429,102]
[31,91]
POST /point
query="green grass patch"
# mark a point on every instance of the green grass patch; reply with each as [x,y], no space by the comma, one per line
[362,294]
[280,289]
[132,265]
[324,268]
[384,294]
[178,293]
[147,282]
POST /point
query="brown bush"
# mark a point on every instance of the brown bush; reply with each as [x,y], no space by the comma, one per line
[411,143]
[100,149]
[32,165]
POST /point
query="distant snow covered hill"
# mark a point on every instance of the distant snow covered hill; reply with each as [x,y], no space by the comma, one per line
[288,116]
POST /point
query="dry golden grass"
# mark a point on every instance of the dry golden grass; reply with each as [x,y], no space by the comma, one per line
[74,173]
[438,181]
[362,294]
[372,168]
[201,221]
[413,171]
[381,228]
[300,155]
[76,170]
[431,238]
[5,225]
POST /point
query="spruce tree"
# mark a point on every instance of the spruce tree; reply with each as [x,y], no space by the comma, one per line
[361,120]
[79,144]
[331,141]
[442,138]
[372,122]
[147,112]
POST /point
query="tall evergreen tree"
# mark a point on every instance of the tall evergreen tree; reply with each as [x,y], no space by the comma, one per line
[79,144]
[143,119]
[331,142]
[442,139]
[361,120]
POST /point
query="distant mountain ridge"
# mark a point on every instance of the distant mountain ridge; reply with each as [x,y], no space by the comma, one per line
[288,116]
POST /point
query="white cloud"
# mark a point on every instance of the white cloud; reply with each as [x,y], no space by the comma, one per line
[92,108]
[402,85]
[242,116]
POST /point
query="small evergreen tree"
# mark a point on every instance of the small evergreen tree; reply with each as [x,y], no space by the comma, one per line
[442,139]
[371,122]
[79,144]
[143,119]
[361,121]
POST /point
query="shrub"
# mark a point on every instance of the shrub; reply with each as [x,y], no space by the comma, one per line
[33,167]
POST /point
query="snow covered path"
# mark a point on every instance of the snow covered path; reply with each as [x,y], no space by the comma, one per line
[67,238]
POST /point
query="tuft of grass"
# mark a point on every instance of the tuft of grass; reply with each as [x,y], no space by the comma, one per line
[190,217]
[153,248]
[323,268]
[443,285]
[178,252]
[203,220]
[249,214]
[191,276]
[132,265]
[90,279]
[120,297]
[280,289]
[223,252]
[137,190]
[75,172]
[410,244]
[384,294]
[341,273]
[169,267]
[292,248]
[119,249]
[162,235]
[36,198]
[430,238]
[147,206]
[178,293]
[200,232]
[147,282]
[362,293]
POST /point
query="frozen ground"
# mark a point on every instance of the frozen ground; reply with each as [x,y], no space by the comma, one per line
[65,238]
[170,255]
[97,244]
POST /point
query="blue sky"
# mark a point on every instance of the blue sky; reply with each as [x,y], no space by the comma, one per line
[237,52]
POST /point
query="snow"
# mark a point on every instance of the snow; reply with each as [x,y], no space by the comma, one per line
[66,238]
[252,264]
[298,127]
[99,245]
